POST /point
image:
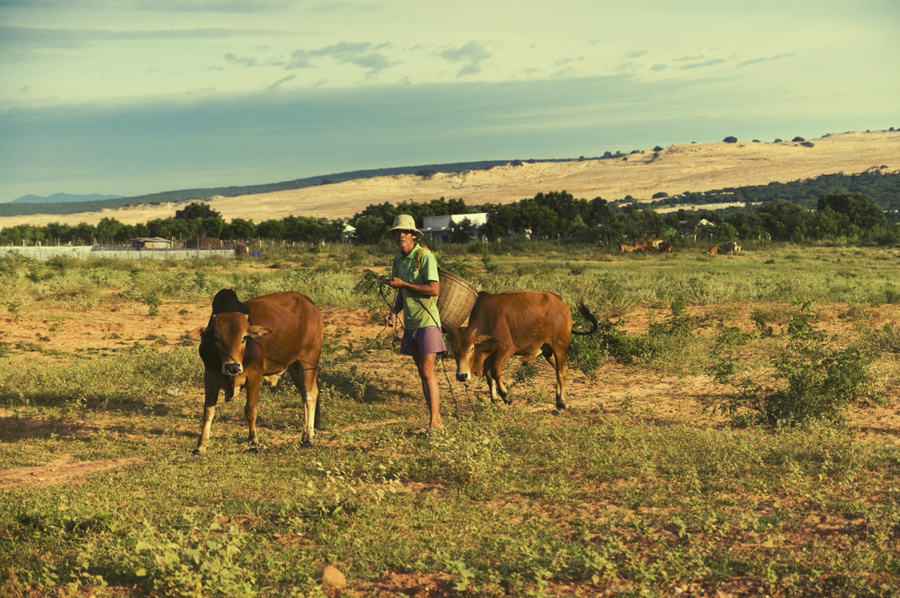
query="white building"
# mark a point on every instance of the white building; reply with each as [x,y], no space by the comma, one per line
[440,227]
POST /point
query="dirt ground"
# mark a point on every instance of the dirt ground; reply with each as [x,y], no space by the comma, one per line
[663,399]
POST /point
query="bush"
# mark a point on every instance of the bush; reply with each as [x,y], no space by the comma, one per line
[811,381]
[730,139]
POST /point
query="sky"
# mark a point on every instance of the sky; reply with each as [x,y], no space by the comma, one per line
[131,97]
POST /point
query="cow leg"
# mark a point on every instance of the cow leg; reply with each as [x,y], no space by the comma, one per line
[211,397]
[559,365]
[500,358]
[490,376]
[253,387]
[492,384]
[304,378]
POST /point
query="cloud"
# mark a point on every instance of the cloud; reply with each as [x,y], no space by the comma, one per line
[31,38]
[361,54]
[252,61]
[247,61]
[275,86]
[472,55]
[208,6]
[705,63]
[765,59]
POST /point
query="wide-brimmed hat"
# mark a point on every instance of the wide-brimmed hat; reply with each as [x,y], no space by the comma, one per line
[404,222]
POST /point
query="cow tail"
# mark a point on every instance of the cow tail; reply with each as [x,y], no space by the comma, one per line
[584,311]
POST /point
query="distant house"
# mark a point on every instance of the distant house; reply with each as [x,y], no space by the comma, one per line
[151,243]
[700,230]
[441,227]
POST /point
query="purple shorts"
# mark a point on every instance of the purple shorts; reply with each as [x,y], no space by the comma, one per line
[422,341]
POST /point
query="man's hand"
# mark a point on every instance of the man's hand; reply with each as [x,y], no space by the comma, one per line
[389,319]
[395,283]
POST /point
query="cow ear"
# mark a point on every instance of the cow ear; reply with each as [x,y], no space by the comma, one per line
[195,335]
[258,331]
[482,338]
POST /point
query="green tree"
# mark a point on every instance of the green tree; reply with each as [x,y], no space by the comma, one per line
[272,230]
[239,230]
[110,230]
[860,209]
[369,229]
[196,211]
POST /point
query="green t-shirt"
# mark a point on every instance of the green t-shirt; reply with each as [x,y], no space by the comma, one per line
[418,311]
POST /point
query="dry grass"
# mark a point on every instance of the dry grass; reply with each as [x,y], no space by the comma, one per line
[678,168]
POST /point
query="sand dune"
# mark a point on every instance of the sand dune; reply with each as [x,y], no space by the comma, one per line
[676,169]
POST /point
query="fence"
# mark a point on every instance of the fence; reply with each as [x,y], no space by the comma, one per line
[87,251]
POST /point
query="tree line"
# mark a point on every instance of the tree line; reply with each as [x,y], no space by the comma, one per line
[850,217]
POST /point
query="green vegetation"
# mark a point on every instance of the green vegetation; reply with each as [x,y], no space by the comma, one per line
[604,498]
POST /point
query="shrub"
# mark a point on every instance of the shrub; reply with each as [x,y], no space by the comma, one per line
[608,341]
[730,139]
[811,380]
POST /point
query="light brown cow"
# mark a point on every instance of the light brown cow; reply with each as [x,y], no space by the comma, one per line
[654,242]
[626,248]
[713,250]
[246,343]
[526,323]
[732,248]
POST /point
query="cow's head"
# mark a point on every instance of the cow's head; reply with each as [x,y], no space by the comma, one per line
[470,349]
[231,332]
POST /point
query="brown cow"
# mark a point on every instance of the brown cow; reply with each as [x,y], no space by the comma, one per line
[527,323]
[713,250]
[625,248]
[246,343]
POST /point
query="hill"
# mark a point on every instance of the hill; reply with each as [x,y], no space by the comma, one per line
[62,198]
[677,169]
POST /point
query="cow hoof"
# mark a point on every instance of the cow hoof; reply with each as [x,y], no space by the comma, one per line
[306,443]
[199,452]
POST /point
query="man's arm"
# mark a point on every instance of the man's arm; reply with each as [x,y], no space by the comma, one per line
[431,288]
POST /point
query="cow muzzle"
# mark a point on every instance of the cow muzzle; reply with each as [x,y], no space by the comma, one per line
[462,377]
[232,368]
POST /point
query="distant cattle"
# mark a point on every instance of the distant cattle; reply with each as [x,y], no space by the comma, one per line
[654,242]
[626,248]
[641,245]
[664,247]
[731,248]
[246,343]
[713,250]
[525,323]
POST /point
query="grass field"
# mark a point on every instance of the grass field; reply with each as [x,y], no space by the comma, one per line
[662,478]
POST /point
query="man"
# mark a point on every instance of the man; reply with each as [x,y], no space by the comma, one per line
[414,273]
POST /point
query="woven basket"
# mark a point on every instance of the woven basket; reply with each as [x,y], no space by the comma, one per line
[455,301]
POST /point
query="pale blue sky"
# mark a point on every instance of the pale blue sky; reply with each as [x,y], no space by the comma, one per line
[138,96]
